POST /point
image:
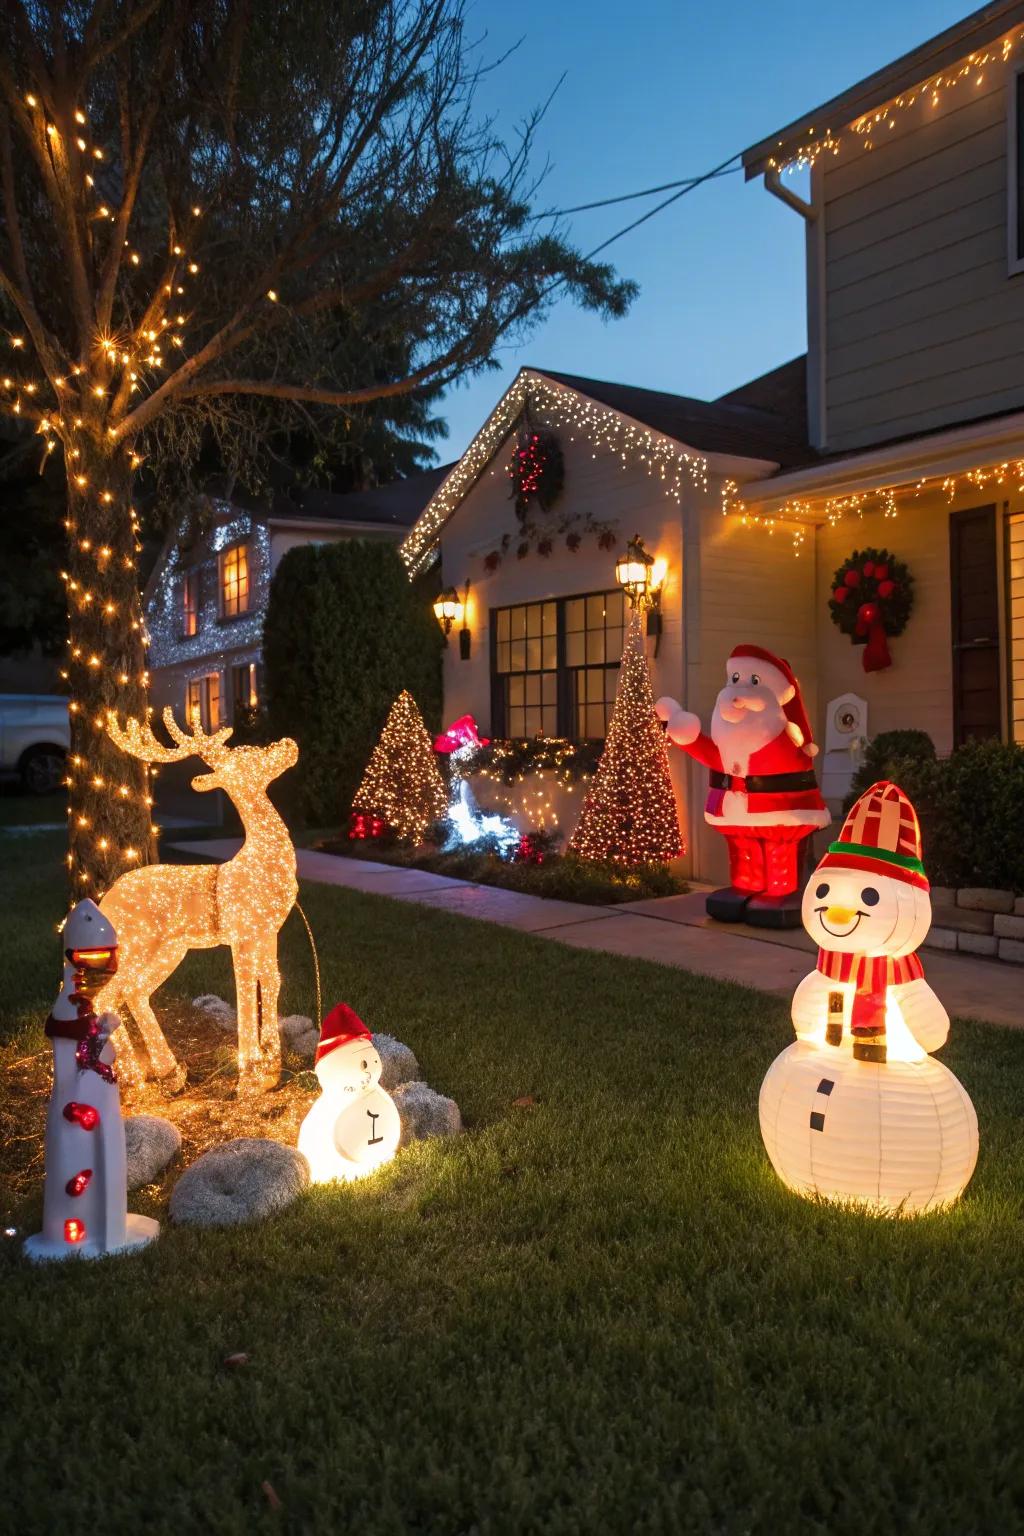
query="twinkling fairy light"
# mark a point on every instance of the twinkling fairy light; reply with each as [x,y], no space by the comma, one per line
[667,461]
[402,784]
[630,815]
[163,911]
[871,128]
[795,514]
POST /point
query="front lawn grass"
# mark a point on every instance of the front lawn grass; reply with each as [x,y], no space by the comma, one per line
[597,1311]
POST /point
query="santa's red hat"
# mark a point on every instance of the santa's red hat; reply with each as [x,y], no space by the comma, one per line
[461,733]
[794,710]
[880,836]
[341,1025]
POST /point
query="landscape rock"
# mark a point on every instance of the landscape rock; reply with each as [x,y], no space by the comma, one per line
[978,943]
[941,938]
[425,1113]
[299,1034]
[1011,950]
[943,896]
[150,1143]
[1009,927]
[244,1180]
[219,1011]
[398,1062]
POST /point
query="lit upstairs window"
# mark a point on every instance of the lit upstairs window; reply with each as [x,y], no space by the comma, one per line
[234,581]
[190,603]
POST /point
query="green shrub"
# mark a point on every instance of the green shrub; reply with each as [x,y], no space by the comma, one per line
[969,805]
[345,632]
[881,753]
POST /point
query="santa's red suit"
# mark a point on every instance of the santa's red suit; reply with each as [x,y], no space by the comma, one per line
[762,795]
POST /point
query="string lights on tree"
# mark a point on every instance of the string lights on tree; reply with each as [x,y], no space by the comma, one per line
[138,144]
[402,786]
[629,815]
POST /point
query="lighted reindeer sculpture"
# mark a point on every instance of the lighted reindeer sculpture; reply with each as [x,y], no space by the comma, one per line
[163,910]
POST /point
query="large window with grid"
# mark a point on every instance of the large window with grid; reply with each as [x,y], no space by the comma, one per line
[234,581]
[203,701]
[555,665]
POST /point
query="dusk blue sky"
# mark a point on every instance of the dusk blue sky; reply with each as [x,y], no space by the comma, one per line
[654,91]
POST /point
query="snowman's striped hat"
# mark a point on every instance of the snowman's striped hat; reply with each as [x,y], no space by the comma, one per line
[881,835]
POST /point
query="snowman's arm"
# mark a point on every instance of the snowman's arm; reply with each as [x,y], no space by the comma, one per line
[923,1014]
[810,1007]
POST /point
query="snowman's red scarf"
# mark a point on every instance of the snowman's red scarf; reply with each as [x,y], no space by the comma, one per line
[870,976]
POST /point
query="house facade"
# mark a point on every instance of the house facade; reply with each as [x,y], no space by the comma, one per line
[207,596]
[902,429]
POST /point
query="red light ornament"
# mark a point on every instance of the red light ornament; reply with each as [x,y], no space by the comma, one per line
[79,1183]
[74,1230]
[82,1114]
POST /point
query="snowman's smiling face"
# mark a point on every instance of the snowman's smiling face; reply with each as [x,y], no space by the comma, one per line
[350,1068]
[855,912]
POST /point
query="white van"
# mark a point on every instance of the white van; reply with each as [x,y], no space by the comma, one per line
[35,737]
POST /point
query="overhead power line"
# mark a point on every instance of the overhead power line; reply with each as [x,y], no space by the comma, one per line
[629,197]
[688,186]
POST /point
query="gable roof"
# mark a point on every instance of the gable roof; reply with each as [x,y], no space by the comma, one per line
[964,37]
[395,505]
[765,422]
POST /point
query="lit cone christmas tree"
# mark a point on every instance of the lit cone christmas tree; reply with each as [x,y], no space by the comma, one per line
[629,814]
[402,786]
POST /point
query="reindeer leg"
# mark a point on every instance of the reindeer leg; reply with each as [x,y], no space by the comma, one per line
[163,1063]
[270,1034]
[246,971]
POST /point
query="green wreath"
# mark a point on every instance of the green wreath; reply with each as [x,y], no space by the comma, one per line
[872,598]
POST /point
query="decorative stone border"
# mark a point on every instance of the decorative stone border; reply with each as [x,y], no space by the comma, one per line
[976,920]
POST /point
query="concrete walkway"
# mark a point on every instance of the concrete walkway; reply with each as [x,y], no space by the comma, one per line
[671,930]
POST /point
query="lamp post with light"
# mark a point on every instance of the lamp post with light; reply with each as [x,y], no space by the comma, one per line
[641,577]
[451,609]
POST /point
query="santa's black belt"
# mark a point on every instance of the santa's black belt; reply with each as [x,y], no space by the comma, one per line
[765,783]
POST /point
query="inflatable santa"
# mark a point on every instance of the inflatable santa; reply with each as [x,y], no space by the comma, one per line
[762,796]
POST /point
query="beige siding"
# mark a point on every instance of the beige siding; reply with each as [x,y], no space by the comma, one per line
[923,325]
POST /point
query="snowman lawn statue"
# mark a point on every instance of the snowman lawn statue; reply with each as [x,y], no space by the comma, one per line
[857,1110]
[85,1198]
[354,1126]
[762,793]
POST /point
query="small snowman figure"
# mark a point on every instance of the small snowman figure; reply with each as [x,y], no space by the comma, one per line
[354,1126]
[85,1199]
[857,1110]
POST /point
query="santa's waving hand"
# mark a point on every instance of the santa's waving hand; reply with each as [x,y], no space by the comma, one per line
[762,795]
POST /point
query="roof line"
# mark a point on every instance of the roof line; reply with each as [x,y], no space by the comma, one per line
[972,32]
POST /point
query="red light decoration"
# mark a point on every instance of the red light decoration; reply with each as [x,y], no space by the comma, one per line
[82,1114]
[363,826]
[537,471]
[80,1183]
[74,1230]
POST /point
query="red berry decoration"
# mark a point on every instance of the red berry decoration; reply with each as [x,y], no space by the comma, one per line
[82,1114]
[537,471]
[872,598]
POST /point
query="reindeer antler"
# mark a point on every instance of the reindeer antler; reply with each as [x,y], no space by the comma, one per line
[137,740]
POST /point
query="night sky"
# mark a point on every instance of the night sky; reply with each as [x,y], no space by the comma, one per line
[654,91]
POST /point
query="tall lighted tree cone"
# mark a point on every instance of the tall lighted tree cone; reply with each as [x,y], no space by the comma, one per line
[629,814]
[402,784]
[204,215]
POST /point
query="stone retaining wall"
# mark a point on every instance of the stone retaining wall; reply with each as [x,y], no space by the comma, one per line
[978,921]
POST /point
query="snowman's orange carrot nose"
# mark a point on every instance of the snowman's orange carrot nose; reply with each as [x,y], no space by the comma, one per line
[839,915]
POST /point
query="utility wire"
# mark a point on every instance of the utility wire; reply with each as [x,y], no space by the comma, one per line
[628,197]
[688,186]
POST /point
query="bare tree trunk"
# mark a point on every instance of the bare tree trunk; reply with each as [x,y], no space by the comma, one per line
[109,795]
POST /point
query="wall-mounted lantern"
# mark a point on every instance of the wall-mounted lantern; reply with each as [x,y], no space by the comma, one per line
[641,577]
[451,609]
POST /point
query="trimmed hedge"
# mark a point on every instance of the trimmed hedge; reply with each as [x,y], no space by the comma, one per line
[345,632]
[969,805]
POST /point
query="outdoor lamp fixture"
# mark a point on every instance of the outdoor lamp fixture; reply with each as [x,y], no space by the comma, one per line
[641,576]
[449,609]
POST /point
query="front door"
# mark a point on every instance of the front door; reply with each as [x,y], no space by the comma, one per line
[974,582]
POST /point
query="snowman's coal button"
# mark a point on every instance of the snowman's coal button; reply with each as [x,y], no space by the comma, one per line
[825,1086]
[817,1120]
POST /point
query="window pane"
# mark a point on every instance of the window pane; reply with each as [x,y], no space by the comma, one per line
[595,686]
[550,651]
[595,611]
[613,645]
[533,618]
[574,614]
[515,690]
[595,719]
[534,660]
[517,655]
[611,684]
[550,618]
[533,689]
[614,603]
[595,645]
[517,618]
[503,655]
[574,653]
[503,624]
[550,715]
[550,688]
[533,721]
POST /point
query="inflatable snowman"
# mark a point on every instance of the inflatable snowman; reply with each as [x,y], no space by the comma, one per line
[354,1126]
[857,1110]
[762,793]
[85,1199]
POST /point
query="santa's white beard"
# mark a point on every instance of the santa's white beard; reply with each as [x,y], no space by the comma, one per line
[738,740]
